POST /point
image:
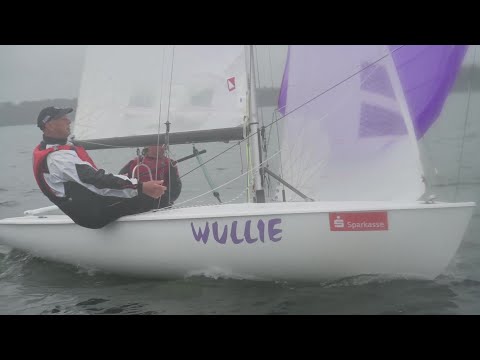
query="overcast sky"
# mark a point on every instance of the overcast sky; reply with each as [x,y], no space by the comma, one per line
[37,72]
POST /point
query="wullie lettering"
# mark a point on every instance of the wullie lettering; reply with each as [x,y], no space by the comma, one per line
[238,231]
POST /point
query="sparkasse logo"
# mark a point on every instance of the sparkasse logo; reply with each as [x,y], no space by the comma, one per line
[359,221]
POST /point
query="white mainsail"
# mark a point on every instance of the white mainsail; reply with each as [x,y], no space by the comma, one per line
[133,90]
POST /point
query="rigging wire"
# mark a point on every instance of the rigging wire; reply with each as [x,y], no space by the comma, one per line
[300,106]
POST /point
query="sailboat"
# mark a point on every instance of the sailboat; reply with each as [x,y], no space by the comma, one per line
[342,195]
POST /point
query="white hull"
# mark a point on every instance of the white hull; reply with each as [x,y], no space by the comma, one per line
[420,241]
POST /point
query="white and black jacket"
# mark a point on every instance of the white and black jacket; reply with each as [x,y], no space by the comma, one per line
[90,196]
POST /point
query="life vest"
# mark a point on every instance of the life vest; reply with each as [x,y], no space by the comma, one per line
[160,169]
[40,165]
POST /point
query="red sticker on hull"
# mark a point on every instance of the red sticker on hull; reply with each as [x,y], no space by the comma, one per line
[359,221]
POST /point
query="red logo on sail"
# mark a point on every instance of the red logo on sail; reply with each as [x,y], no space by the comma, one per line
[231,84]
[359,221]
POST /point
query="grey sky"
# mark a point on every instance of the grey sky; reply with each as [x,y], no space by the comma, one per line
[37,72]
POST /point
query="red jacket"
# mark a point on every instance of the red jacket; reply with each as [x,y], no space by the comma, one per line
[40,154]
[160,171]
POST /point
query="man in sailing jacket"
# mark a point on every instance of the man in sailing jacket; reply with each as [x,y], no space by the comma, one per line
[67,175]
[155,165]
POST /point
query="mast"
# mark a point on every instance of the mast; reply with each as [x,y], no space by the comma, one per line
[253,127]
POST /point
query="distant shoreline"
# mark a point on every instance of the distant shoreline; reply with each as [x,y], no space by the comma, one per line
[26,112]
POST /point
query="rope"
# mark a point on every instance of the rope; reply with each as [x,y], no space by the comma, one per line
[167,137]
[160,121]
[112,146]
[281,165]
[200,204]
[241,158]
[160,113]
[228,182]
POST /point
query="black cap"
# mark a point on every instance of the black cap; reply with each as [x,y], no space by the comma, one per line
[51,113]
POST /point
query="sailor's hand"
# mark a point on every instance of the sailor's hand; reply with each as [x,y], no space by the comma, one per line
[154,188]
